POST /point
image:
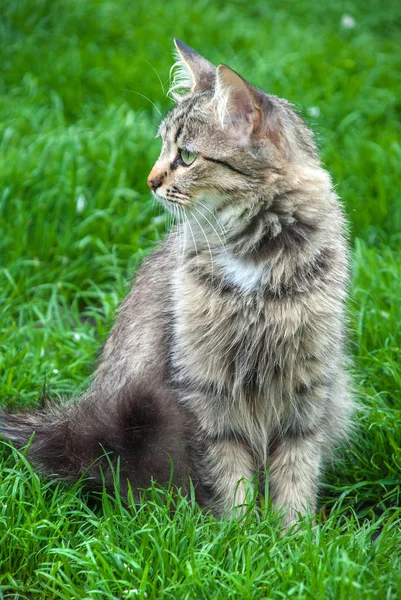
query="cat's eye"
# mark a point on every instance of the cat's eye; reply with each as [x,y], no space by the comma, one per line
[186,156]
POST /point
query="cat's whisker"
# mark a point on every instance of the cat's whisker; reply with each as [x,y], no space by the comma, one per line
[154,70]
[214,229]
[156,206]
[208,245]
[178,229]
[193,238]
[184,232]
[176,192]
[167,218]
[146,98]
[173,233]
[173,219]
[222,228]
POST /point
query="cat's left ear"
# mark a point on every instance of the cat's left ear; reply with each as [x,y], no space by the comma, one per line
[236,107]
[192,72]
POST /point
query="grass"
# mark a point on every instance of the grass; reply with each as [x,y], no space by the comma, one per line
[76,145]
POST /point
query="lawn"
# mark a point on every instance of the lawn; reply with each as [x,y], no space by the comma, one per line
[82,87]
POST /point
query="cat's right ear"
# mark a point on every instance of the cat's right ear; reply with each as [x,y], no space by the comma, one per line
[191,73]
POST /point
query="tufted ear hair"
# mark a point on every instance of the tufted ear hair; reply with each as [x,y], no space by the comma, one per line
[236,105]
[191,73]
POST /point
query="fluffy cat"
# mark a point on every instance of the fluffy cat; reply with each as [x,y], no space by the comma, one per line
[227,356]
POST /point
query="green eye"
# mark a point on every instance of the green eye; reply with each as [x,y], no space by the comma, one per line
[187,157]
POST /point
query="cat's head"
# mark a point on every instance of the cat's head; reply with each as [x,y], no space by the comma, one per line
[225,140]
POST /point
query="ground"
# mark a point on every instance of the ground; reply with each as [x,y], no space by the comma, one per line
[81,92]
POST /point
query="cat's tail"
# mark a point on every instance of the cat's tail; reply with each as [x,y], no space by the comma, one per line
[146,432]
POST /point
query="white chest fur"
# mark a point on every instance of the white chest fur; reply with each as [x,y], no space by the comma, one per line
[245,276]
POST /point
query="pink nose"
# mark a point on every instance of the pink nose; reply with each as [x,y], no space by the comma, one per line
[155,180]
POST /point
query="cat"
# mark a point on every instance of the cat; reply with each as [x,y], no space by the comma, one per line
[227,357]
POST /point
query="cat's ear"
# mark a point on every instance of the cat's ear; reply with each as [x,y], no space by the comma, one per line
[236,107]
[191,72]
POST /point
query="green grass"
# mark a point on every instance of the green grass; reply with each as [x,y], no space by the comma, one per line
[76,145]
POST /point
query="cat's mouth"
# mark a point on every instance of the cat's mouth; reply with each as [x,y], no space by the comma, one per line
[171,196]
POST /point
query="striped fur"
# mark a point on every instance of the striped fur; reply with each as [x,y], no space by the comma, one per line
[233,335]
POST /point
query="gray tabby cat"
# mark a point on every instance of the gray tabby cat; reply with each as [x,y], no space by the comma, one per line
[227,356]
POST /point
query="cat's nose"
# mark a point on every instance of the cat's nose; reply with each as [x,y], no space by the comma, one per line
[155,180]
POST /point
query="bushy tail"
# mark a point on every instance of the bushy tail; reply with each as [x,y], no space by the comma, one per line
[148,432]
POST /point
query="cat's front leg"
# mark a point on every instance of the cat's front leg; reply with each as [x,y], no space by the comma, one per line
[228,468]
[293,476]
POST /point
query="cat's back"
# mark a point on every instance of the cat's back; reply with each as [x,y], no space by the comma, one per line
[137,345]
